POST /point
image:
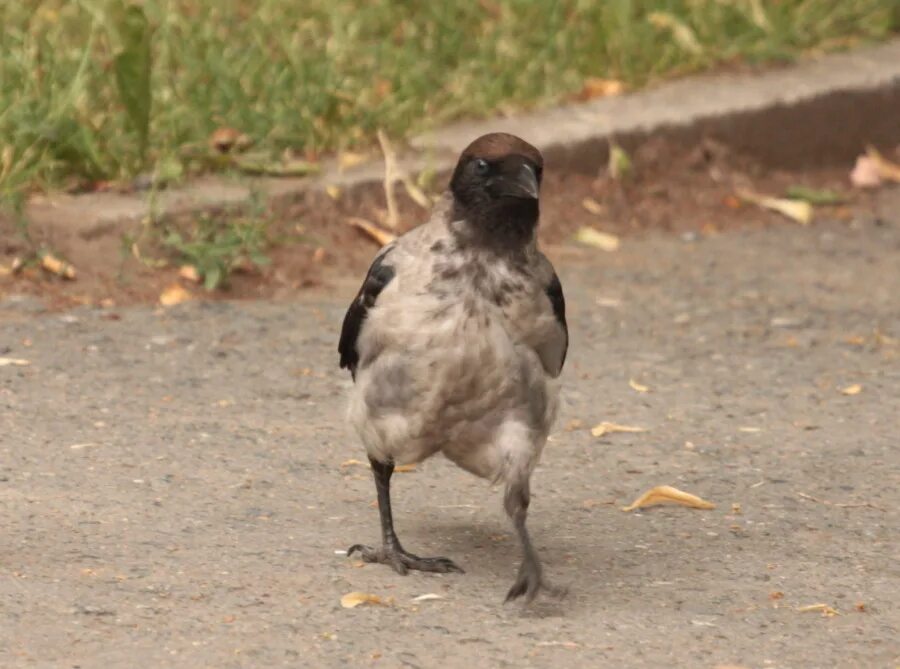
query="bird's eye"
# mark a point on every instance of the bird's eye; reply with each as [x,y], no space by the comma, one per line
[481,167]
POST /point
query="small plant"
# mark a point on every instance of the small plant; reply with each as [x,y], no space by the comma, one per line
[216,248]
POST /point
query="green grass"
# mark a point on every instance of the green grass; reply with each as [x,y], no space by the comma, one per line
[323,75]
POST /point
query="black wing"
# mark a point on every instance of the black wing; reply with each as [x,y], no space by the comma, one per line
[555,293]
[380,275]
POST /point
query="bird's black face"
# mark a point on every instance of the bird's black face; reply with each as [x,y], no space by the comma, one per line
[498,194]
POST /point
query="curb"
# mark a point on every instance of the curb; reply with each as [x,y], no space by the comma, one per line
[818,111]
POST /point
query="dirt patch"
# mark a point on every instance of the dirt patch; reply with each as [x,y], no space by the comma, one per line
[677,188]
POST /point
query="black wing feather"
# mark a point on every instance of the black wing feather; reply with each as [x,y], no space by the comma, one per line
[380,275]
[555,293]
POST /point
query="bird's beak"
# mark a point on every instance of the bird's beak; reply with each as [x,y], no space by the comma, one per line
[523,184]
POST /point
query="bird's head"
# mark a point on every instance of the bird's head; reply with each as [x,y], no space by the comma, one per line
[496,185]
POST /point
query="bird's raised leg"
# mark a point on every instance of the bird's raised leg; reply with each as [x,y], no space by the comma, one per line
[530,579]
[391,552]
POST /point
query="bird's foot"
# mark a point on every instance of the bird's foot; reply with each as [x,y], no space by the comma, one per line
[402,562]
[530,582]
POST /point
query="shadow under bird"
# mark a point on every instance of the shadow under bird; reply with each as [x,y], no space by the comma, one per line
[456,341]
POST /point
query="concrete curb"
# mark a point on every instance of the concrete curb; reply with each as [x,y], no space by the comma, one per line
[818,111]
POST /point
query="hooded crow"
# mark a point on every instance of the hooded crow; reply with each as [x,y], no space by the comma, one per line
[456,341]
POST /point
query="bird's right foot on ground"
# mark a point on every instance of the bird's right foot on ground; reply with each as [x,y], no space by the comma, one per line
[402,562]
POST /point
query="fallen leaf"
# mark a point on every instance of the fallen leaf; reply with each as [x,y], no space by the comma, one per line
[427,597]
[853,389]
[574,424]
[59,267]
[619,165]
[860,607]
[383,237]
[665,493]
[319,254]
[597,87]
[353,462]
[608,428]
[865,173]
[19,362]
[736,508]
[601,240]
[189,272]
[638,386]
[855,340]
[886,169]
[826,610]
[405,469]
[814,196]
[799,211]
[592,206]
[353,599]
[334,192]
[174,294]
[776,595]
[351,159]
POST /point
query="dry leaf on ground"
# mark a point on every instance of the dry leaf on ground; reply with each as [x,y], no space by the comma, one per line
[18,362]
[606,428]
[353,599]
[353,462]
[825,610]
[639,387]
[174,294]
[886,169]
[427,597]
[666,493]
[59,267]
[351,159]
[383,237]
[592,206]
[190,273]
[600,240]
[797,210]
[865,173]
[403,469]
[597,87]
[853,389]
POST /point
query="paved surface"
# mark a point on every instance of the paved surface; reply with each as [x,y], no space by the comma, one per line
[172,489]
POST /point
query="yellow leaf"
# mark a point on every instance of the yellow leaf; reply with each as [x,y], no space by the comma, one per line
[353,462]
[353,599]
[59,267]
[350,159]
[826,610]
[173,295]
[886,169]
[592,206]
[383,237]
[334,192]
[666,493]
[601,240]
[607,428]
[596,87]
[189,272]
[641,388]
[797,210]
[854,389]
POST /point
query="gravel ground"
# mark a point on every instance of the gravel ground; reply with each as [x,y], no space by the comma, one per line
[174,483]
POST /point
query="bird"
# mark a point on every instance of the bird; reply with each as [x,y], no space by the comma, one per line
[455,344]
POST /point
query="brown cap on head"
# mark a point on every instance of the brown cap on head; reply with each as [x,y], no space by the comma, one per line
[500,144]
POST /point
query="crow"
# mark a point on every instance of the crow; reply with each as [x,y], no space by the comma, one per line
[455,343]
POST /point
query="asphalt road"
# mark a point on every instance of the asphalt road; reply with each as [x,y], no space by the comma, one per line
[174,483]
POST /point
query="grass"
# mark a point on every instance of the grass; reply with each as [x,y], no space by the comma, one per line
[91,90]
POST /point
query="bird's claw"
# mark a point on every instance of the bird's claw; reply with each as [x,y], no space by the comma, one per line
[529,583]
[402,562]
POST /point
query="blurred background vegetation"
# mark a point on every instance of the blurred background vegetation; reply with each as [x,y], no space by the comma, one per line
[94,90]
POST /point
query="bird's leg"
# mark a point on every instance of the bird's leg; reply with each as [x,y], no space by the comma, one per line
[391,552]
[530,579]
